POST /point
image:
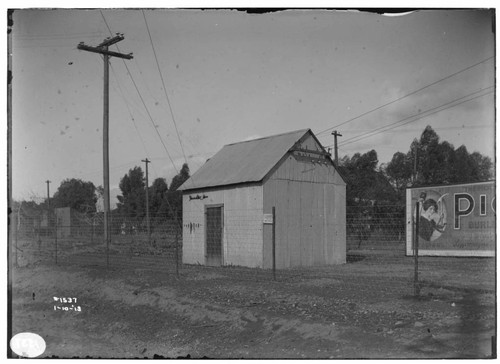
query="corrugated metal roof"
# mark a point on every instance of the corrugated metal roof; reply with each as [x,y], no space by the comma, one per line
[243,162]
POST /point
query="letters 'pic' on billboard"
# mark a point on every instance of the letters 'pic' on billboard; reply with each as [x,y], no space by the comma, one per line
[454,220]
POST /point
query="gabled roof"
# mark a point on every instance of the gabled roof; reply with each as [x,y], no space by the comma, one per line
[244,162]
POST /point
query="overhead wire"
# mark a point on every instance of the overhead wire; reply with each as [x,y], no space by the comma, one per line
[407,95]
[21,41]
[131,116]
[122,94]
[165,92]
[416,117]
[413,117]
[164,88]
[143,102]
[52,36]
[147,110]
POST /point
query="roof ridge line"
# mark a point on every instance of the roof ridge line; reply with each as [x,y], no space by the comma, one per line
[270,136]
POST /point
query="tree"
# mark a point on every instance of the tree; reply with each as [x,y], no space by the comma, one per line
[428,155]
[77,194]
[132,201]
[174,197]
[444,160]
[463,168]
[485,168]
[365,184]
[157,195]
[399,172]
[440,163]
[180,178]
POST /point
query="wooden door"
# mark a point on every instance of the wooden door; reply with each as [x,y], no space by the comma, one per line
[214,223]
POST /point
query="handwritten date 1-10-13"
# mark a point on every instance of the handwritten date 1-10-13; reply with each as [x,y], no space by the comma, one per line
[65,299]
[66,308]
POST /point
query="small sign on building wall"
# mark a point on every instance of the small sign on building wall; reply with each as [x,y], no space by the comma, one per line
[268,218]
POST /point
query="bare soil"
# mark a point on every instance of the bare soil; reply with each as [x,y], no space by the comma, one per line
[366,308]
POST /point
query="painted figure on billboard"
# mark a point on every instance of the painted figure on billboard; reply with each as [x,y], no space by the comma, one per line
[432,222]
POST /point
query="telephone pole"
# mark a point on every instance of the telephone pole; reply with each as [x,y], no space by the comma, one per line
[415,159]
[335,135]
[147,161]
[103,49]
[48,195]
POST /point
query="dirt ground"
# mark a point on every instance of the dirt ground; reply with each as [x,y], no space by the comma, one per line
[363,309]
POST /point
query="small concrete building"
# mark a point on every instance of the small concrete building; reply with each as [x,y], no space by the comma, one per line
[228,204]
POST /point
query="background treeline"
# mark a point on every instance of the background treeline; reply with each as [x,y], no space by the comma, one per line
[376,193]
[165,202]
[428,161]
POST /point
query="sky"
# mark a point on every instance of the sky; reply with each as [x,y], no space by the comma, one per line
[201,79]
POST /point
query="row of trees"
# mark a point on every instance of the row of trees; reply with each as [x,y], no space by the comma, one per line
[163,201]
[82,196]
[427,162]
[376,193]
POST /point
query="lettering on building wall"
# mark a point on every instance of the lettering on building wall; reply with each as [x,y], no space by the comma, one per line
[192,226]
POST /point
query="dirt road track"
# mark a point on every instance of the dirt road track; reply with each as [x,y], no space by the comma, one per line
[352,311]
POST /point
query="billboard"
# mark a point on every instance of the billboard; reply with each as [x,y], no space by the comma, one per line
[453,220]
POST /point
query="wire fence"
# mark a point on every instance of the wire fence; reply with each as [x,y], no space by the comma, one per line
[68,237]
[223,257]
[239,243]
[379,228]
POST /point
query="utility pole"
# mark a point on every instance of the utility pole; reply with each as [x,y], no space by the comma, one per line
[335,135]
[415,161]
[48,194]
[147,161]
[103,49]
[48,203]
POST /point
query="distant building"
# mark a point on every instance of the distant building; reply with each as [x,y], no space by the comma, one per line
[64,222]
[227,205]
[72,223]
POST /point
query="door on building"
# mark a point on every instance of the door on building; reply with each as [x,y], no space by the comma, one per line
[214,223]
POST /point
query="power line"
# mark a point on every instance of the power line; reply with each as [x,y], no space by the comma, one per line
[59,45]
[164,88]
[52,36]
[435,128]
[131,116]
[144,104]
[415,117]
[128,109]
[151,119]
[147,110]
[405,96]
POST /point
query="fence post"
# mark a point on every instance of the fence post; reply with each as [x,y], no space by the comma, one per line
[17,233]
[416,289]
[39,238]
[177,251]
[106,236]
[55,228]
[274,243]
